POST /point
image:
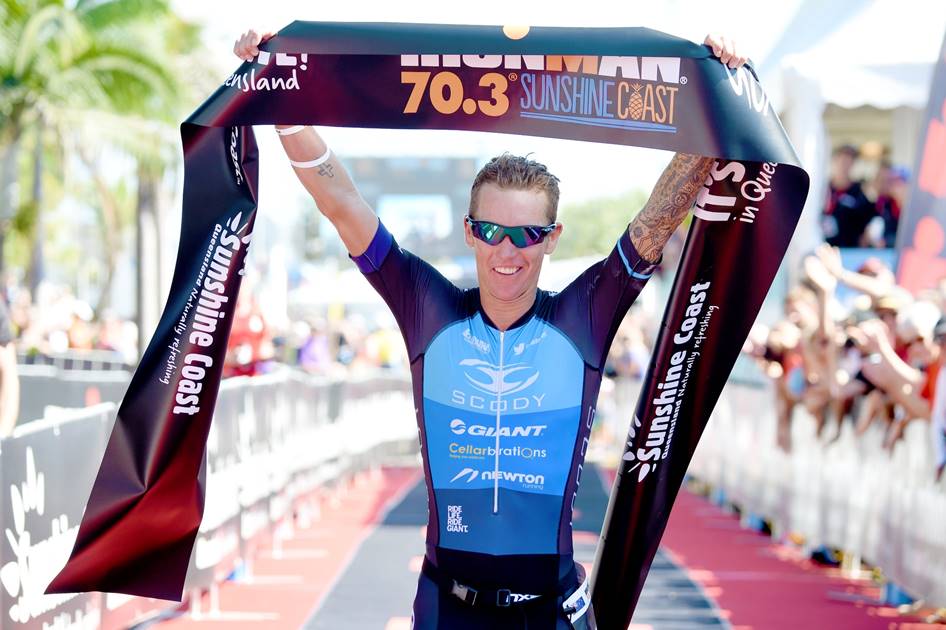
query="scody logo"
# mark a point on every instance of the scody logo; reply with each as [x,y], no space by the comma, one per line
[500,386]
[472,475]
[488,378]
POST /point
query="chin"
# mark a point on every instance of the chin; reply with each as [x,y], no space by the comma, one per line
[509,292]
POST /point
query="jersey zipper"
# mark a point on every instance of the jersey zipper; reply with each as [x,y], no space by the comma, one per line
[499,394]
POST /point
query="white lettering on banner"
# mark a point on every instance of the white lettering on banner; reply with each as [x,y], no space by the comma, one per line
[249,82]
[664,69]
[36,561]
[234,156]
[455,520]
[742,83]
[752,191]
[210,307]
[669,392]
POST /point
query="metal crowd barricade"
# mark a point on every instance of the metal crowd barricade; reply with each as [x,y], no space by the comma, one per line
[77,360]
[46,470]
[45,386]
[274,442]
[849,493]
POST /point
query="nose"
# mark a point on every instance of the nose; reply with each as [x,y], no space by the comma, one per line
[506,249]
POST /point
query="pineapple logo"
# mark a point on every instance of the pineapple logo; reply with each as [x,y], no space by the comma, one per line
[635,104]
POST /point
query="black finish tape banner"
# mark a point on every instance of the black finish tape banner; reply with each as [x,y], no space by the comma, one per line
[627,86]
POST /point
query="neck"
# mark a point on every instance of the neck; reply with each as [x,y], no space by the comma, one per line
[504,313]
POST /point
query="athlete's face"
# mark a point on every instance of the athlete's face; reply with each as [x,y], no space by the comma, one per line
[506,272]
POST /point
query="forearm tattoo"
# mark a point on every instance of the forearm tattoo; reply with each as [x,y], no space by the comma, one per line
[672,198]
[327,170]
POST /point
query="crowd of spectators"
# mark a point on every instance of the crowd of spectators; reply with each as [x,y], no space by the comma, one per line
[874,358]
[863,213]
[853,346]
[57,322]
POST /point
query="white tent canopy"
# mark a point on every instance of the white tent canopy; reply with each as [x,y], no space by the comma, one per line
[850,54]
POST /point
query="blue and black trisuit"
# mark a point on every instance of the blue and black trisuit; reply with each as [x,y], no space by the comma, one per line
[504,419]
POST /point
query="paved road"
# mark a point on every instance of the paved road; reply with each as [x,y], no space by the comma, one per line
[378,586]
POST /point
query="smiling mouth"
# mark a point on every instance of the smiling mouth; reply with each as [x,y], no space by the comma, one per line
[507,271]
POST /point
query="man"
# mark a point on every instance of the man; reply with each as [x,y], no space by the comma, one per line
[506,376]
[847,210]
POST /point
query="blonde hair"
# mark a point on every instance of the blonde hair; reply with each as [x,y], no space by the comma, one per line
[517,173]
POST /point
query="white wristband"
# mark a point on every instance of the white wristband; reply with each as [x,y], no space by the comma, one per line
[313,163]
[288,131]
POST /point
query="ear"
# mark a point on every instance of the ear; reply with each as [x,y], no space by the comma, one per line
[467,233]
[551,241]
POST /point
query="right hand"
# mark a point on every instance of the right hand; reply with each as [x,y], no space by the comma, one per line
[819,274]
[246,46]
[874,334]
[830,257]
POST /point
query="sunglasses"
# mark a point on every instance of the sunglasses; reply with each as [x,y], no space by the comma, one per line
[520,235]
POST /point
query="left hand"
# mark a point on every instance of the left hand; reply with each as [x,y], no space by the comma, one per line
[725,49]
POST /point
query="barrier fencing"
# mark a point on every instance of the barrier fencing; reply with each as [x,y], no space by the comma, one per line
[278,439]
[45,386]
[274,442]
[77,360]
[849,493]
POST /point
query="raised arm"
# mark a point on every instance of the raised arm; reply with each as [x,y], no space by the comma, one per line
[676,190]
[328,182]
[671,199]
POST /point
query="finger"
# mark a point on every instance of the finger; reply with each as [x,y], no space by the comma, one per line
[713,42]
[726,54]
[239,47]
[733,56]
[242,47]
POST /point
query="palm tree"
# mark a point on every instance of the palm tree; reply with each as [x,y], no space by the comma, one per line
[60,60]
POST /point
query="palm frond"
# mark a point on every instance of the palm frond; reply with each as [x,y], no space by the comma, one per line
[34,36]
[146,66]
[120,13]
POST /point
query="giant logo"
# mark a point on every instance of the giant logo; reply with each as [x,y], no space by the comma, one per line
[459,427]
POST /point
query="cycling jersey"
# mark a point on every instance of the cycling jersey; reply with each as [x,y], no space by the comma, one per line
[503,416]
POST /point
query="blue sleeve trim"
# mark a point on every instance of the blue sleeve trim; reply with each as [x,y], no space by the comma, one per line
[377,251]
[636,266]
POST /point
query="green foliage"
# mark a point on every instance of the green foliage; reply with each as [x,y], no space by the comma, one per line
[97,74]
[592,227]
